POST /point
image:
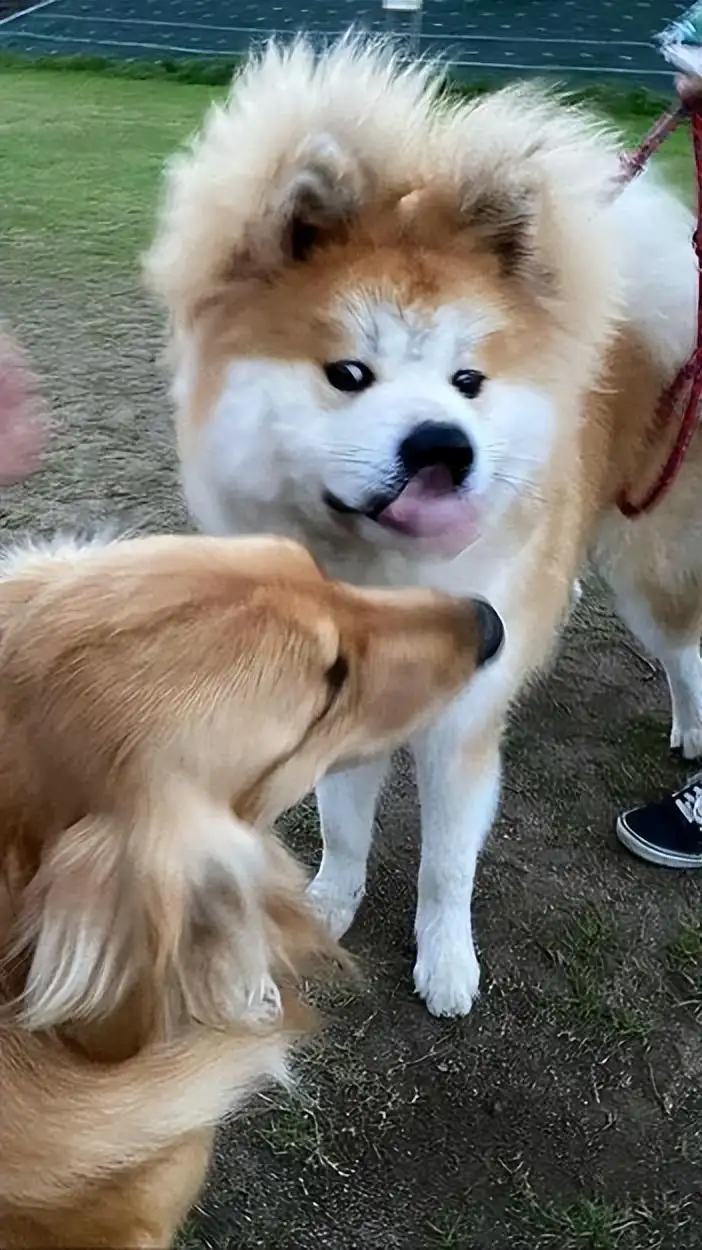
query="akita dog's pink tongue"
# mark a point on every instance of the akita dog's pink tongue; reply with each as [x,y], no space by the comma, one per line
[430,508]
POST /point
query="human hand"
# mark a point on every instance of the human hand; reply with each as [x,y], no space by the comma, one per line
[689,89]
[23,427]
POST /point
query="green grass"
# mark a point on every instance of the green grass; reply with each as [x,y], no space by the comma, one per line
[592,1222]
[583,1223]
[685,951]
[599,999]
[205,71]
[595,1224]
[81,155]
[587,1224]
[685,962]
[292,1131]
[197,71]
[451,1231]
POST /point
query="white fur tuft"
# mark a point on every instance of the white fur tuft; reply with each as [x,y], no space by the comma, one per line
[290,111]
[32,554]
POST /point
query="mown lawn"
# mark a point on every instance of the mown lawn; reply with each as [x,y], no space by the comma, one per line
[80,158]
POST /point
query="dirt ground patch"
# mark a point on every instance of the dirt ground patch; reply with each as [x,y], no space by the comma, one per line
[565,1113]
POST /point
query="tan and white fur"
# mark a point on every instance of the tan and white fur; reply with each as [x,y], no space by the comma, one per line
[339,208]
[161,701]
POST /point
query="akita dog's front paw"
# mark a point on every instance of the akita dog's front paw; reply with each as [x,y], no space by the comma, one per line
[447,974]
[335,903]
[685,680]
[687,741]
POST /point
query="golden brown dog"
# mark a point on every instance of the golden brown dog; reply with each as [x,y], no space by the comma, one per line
[161,701]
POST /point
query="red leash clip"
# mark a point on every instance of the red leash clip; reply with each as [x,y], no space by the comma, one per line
[691,372]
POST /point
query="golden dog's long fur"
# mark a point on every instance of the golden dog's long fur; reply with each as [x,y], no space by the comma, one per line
[161,701]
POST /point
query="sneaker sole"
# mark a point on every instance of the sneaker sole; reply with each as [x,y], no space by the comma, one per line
[653,854]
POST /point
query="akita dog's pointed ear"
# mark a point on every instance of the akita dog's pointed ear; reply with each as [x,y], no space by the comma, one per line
[505,218]
[305,198]
[316,199]
[504,221]
[304,140]
[515,223]
[526,176]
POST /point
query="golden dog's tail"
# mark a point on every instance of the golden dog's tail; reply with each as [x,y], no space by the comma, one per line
[66,1122]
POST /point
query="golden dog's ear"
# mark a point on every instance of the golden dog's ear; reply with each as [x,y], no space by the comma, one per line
[197,911]
[78,929]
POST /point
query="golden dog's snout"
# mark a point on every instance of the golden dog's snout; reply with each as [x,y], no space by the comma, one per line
[491,629]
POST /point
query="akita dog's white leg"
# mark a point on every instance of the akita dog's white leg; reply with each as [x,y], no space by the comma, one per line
[347,802]
[678,651]
[683,667]
[458,774]
[654,567]
[668,628]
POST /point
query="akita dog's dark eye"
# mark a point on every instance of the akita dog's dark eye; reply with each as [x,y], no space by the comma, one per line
[350,376]
[469,382]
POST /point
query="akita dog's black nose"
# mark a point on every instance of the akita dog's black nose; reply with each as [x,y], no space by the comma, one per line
[437,444]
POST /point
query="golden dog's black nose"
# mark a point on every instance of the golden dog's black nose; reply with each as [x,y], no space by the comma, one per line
[491,630]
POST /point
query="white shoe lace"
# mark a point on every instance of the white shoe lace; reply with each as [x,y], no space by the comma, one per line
[696,784]
[689,801]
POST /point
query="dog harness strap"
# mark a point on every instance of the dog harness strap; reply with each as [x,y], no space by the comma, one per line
[690,376]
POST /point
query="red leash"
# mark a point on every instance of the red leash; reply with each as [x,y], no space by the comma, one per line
[690,376]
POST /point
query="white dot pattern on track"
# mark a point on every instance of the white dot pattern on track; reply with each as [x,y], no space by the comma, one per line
[606,39]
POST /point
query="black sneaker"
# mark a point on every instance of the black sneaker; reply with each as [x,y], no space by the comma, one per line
[669,832]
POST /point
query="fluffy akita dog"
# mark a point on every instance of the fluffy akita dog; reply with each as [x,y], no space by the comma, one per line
[427,338]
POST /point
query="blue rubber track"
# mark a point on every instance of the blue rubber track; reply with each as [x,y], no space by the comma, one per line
[588,40]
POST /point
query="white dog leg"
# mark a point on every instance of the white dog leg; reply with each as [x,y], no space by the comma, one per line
[459,784]
[683,668]
[680,658]
[347,802]
[653,567]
